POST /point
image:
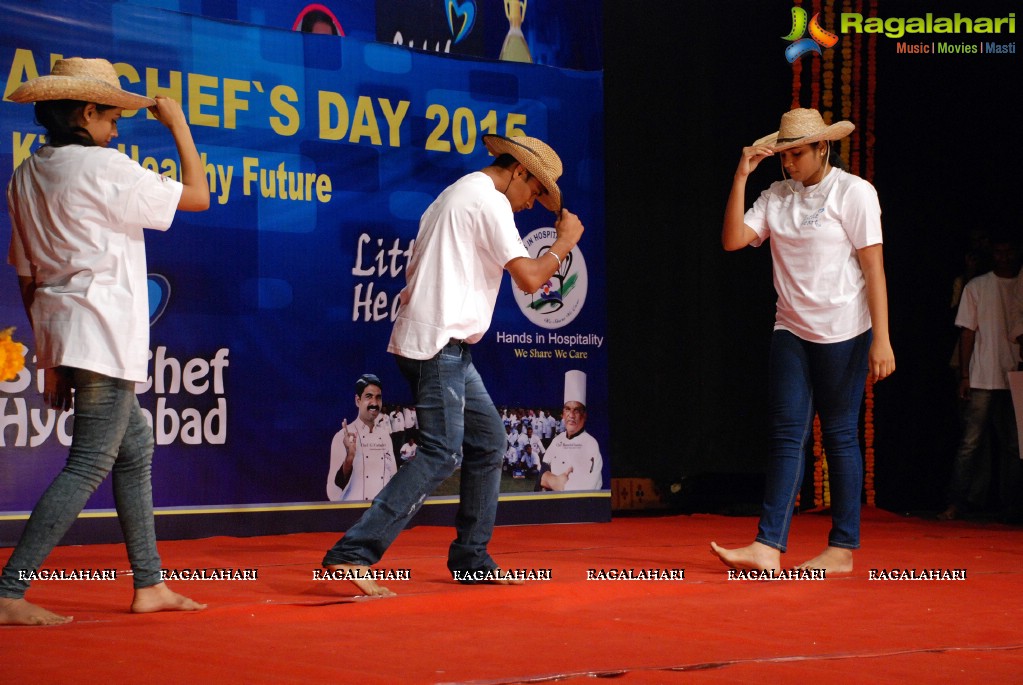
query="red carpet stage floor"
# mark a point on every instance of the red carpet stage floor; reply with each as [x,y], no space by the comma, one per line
[286,627]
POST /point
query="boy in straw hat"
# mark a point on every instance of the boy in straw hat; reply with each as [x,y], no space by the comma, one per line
[831,325]
[467,239]
[78,209]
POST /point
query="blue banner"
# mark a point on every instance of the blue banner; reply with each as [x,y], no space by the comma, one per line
[321,152]
[559,33]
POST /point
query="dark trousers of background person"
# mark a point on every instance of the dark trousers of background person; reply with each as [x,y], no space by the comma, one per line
[988,414]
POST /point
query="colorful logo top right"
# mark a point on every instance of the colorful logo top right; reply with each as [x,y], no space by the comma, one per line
[800,45]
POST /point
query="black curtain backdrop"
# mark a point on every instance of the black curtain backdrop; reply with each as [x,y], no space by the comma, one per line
[687,84]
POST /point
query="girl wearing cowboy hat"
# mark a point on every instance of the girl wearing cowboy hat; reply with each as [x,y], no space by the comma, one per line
[78,209]
[831,325]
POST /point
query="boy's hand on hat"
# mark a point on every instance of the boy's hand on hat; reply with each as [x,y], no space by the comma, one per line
[569,227]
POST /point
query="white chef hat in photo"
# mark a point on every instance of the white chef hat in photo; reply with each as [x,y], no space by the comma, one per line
[575,387]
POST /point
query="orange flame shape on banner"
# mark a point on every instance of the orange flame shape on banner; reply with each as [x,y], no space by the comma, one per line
[824,38]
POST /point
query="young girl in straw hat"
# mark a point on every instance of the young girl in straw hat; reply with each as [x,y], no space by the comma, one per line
[78,209]
[831,325]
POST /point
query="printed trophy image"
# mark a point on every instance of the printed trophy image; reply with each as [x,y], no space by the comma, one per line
[515,48]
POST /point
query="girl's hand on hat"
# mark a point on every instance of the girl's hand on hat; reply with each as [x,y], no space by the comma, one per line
[168,112]
[751,158]
[195,196]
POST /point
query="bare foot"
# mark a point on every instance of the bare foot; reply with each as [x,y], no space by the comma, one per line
[18,612]
[832,560]
[950,514]
[159,597]
[755,556]
[361,578]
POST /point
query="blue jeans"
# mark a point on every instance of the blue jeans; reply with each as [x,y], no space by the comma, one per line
[804,376]
[458,426]
[110,434]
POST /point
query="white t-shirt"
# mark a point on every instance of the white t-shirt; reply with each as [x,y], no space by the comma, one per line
[466,236]
[986,308]
[77,215]
[815,233]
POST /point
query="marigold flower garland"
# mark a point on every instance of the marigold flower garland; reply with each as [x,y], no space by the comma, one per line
[12,355]
[821,484]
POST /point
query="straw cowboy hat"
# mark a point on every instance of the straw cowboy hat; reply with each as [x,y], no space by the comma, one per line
[802,127]
[77,78]
[538,158]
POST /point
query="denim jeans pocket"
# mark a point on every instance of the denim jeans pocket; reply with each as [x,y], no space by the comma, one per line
[453,351]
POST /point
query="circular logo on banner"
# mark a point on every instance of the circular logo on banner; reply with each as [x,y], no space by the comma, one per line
[561,298]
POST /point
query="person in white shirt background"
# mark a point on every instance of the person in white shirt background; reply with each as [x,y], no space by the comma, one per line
[408,451]
[988,351]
